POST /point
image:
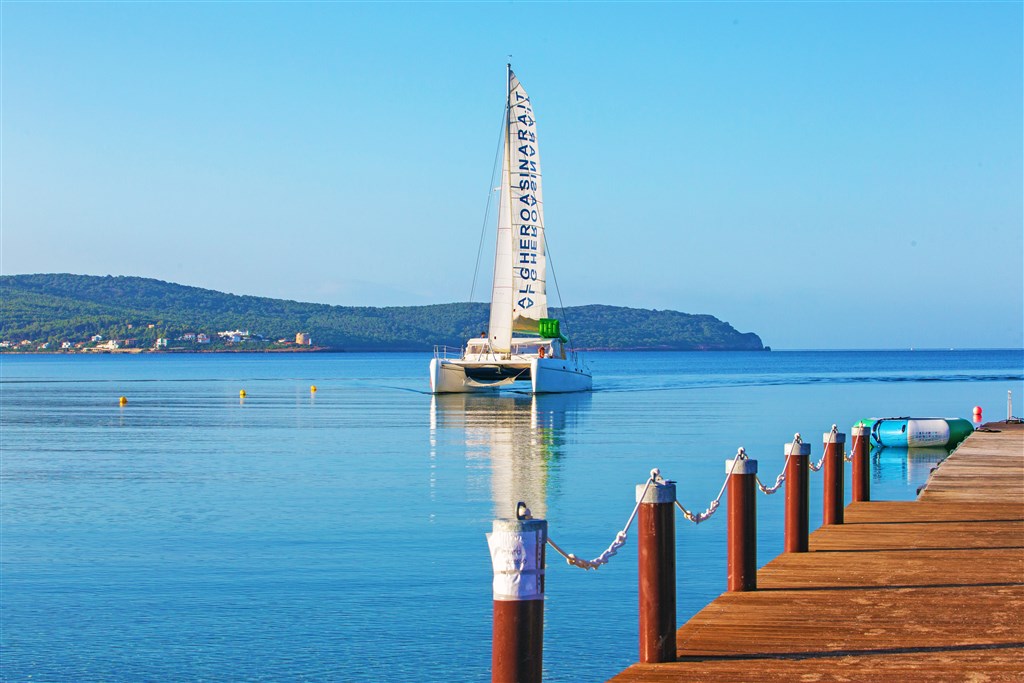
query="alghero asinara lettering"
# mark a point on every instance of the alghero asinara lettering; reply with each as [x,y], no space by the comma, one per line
[527,209]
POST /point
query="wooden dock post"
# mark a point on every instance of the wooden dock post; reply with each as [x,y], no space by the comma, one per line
[797,493]
[742,524]
[656,545]
[860,487]
[517,556]
[832,475]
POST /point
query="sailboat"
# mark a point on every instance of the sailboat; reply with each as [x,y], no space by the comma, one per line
[522,344]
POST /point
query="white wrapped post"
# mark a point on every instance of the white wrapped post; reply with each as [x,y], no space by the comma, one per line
[517,556]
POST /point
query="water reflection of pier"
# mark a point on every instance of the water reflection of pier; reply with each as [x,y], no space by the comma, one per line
[522,436]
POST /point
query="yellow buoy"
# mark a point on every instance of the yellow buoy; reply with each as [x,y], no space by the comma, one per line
[312,389]
[241,394]
[122,401]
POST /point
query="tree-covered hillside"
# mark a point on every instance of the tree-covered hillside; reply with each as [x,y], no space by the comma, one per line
[60,307]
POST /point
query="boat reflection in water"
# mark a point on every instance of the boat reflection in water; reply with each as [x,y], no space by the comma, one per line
[521,437]
[913,464]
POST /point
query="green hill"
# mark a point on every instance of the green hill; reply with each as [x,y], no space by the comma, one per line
[56,308]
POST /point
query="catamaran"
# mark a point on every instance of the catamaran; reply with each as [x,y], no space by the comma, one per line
[522,344]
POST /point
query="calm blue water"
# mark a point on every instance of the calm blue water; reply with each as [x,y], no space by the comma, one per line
[195,536]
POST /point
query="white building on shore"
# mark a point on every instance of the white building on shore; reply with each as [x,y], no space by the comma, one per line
[234,335]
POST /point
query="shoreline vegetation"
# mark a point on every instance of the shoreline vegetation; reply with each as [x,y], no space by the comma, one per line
[65,313]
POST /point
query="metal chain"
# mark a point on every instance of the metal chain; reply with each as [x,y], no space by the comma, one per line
[713,506]
[620,538]
[831,439]
[782,475]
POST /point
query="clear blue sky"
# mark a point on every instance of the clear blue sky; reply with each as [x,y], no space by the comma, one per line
[833,175]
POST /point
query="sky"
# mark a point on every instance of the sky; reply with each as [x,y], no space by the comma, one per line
[827,175]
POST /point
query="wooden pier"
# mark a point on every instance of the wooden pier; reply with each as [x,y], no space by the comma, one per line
[927,590]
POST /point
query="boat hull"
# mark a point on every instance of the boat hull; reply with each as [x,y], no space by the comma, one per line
[918,432]
[557,376]
[538,376]
[447,378]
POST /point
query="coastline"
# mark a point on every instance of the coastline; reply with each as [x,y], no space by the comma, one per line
[328,349]
[173,352]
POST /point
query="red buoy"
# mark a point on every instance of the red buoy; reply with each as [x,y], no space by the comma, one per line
[977,410]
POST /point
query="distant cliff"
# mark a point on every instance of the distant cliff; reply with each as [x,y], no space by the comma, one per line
[59,308]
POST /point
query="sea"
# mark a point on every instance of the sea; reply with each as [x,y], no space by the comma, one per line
[193,534]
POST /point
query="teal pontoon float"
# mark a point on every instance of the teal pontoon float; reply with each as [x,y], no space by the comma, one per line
[917,432]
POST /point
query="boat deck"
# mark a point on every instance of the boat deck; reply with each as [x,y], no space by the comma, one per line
[926,590]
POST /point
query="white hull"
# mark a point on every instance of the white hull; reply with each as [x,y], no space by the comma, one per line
[555,376]
[541,375]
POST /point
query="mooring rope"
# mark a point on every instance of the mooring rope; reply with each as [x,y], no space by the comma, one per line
[713,506]
[831,439]
[782,475]
[620,538]
[848,454]
[656,478]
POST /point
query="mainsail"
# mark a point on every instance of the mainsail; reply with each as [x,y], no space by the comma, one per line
[519,293]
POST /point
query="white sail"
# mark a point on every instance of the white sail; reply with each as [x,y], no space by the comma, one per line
[519,293]
[500,327]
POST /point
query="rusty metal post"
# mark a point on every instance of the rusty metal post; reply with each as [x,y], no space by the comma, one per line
[742,525]
[832,476]
[861,466]
[656,524]
[517,555]
[797,497]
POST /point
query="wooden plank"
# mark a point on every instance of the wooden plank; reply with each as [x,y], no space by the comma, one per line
[929,590]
